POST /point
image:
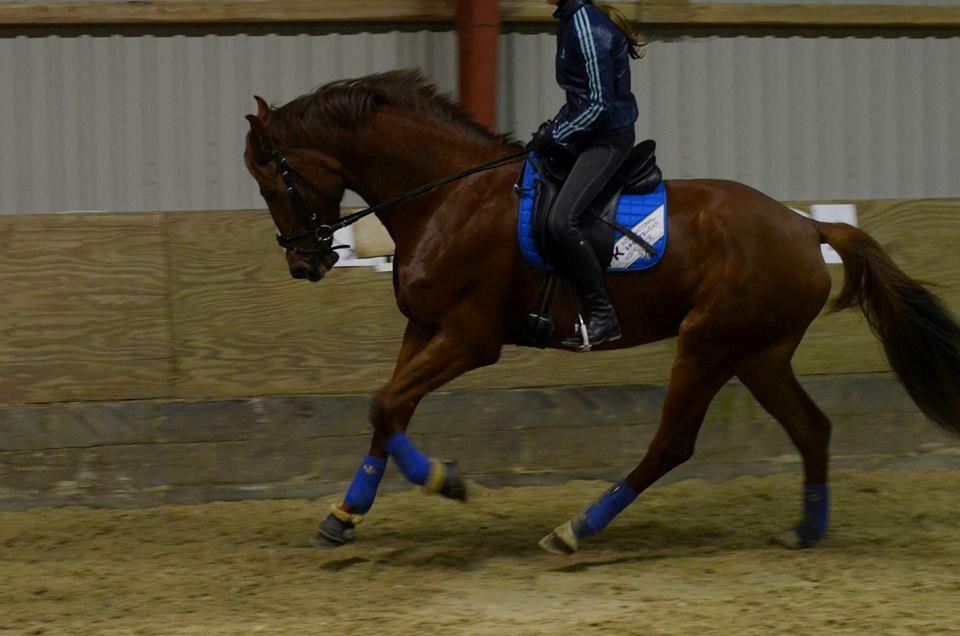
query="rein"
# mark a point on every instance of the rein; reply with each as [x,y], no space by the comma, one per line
[323,234]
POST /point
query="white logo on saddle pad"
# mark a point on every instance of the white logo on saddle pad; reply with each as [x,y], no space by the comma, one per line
[626,252]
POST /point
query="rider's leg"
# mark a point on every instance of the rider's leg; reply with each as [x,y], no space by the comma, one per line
[594,167]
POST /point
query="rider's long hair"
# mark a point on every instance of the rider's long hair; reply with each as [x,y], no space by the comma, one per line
[638,46]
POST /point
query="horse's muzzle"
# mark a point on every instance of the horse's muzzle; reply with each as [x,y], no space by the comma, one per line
[313,268]
[304,269]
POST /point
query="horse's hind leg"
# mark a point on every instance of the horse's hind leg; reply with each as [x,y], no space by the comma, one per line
[699,371]
[772,382]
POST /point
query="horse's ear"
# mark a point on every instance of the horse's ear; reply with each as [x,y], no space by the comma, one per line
[262,108]
[260,138]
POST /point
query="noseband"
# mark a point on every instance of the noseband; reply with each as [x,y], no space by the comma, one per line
[322,234]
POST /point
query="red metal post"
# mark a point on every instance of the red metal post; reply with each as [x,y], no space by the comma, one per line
[478,29]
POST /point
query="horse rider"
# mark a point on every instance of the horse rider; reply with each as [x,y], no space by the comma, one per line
[594,47]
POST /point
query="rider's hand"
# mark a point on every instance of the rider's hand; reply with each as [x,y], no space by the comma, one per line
[541,138]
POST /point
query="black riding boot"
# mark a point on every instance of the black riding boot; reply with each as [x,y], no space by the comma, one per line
[587,276]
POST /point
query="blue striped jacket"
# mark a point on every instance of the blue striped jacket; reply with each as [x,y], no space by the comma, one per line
[593,67]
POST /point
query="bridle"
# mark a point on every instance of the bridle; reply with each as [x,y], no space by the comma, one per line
[322,233]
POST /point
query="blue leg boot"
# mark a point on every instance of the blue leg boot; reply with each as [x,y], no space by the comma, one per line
[340,526]
[565,538]
[435,477]
[816,519]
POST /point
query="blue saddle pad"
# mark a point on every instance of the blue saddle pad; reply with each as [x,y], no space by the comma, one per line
[644,214]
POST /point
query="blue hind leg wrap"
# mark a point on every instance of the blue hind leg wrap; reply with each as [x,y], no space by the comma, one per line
[363,489]
[816,514]
[602,511]
[414,465]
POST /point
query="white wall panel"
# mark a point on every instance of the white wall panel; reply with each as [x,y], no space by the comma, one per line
[154,121]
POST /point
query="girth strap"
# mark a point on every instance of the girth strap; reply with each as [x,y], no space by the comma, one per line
[539,323]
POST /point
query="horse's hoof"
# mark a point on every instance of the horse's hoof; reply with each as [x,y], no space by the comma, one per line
[453,485]
[789,539]
[333,533]
[798,538]
[561,541]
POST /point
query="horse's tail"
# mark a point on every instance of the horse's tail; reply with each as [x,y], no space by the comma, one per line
[920,336]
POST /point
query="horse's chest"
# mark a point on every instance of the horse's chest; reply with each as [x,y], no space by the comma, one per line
[430,283]
[422,295]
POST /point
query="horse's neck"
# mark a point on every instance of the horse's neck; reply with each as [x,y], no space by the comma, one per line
[401,152]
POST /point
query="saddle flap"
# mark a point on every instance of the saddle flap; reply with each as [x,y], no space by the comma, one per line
[547,190]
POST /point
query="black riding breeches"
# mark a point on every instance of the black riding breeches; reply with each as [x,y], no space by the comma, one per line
[594,167]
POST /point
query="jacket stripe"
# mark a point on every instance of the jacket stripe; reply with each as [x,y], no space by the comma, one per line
[582,26]
[588,116]
[587,34]
[569,127]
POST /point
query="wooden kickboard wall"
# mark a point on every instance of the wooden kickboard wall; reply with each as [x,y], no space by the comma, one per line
[100,307]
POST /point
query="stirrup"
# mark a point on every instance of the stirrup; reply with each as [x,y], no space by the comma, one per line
[585,343]
[579,327]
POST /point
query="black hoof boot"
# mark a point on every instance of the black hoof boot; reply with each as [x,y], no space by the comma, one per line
[333,532]
[453,485]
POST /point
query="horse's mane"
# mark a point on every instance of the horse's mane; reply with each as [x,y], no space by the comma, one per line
[355,101]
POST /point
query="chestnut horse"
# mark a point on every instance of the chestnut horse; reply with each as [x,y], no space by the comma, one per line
[742,279]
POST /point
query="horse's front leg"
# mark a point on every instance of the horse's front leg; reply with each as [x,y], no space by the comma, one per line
[339,527]
[427,361]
